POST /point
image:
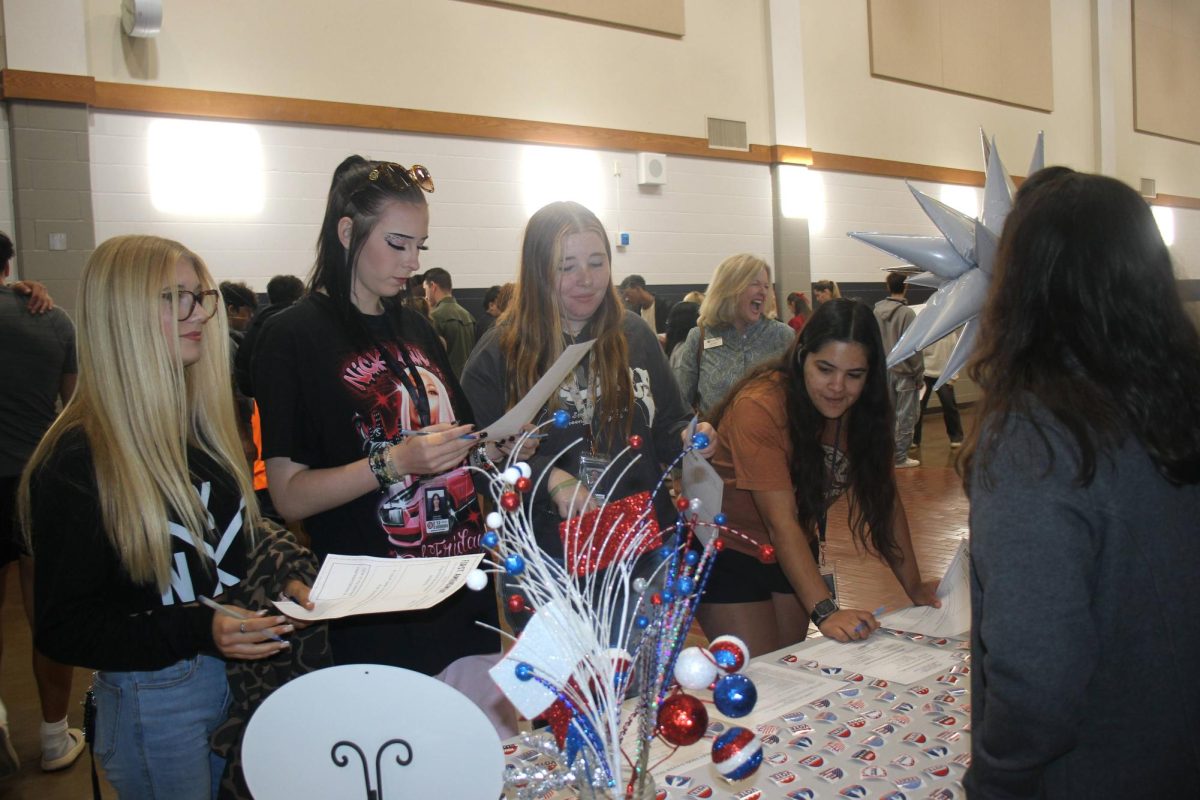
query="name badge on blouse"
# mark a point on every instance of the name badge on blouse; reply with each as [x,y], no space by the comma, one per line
[713,341]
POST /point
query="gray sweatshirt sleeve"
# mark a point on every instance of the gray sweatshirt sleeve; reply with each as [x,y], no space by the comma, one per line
[685,367]
[1034,548]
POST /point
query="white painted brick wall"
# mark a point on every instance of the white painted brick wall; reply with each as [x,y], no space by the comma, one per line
[709,209]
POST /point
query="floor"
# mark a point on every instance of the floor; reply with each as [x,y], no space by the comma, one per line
[932,495]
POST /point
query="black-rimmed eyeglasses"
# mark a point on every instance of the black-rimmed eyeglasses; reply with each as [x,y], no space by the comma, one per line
[207,300]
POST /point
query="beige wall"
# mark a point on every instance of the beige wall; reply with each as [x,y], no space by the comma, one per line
[446,55]
[853,113]
[1174,165]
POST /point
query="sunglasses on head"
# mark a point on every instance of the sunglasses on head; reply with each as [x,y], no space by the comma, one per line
[400,178]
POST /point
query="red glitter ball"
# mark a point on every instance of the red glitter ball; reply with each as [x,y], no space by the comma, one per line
[524,484]
[683,504]
[509,501]
[718,545]
[656,599]
[766,554]
[516,604]
[682,719]
[635,442]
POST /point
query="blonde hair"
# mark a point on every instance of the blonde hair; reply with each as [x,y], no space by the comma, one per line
[694,297]
[140,408]
[729,280]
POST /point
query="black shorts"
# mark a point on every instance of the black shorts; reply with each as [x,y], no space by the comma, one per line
[12,541]
[739,578]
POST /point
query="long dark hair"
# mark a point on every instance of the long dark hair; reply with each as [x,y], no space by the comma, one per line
[869,426]
[353,195]
[1084,317]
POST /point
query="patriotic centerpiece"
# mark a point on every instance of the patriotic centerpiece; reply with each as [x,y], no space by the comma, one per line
[604,631]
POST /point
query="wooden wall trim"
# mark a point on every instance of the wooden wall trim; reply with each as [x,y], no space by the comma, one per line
[258,108]
[26,85]
[1176,201]
[54,87]
[835,162]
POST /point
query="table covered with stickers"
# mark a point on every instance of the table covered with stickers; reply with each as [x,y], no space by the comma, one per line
[885,718]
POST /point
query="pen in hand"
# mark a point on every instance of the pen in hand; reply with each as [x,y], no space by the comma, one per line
[229,612]
[874,613]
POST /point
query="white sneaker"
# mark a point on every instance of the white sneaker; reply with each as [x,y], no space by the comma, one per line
[68,756]
[908,462]
[955,444]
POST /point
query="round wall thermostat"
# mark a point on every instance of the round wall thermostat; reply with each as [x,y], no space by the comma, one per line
[142,18]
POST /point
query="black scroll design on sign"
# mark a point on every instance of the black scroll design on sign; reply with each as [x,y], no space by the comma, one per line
[344,759]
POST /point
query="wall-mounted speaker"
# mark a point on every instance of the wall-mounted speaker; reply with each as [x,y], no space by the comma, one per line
[652,169]
[141,18]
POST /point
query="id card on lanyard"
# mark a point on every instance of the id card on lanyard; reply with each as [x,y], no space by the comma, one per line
[407,374]
[827,570]
[592,464]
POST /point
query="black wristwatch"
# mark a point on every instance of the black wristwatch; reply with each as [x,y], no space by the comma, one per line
[824,610]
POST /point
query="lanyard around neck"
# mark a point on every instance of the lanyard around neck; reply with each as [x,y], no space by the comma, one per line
[407,374]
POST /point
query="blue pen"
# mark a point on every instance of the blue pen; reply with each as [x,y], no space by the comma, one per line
[406,432]
[229,612]
[874,613]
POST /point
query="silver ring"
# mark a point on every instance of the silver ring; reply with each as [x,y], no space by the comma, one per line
[242,627]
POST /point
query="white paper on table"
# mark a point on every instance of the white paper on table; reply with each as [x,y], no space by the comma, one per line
[781,690]
[881,656]
[510,424]
[953,619]
[553,643]
[349,585]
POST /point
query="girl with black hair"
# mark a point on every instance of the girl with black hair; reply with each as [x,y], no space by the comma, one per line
[362,415]
[794,435]
[1084,479]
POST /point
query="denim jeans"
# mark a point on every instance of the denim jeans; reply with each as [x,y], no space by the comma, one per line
[152,729]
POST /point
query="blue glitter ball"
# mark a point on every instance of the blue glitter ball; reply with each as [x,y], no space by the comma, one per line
[668,596]
[514,565]
[561,419]
[720,519]
[642,621]
[735,695]
[685,586]
[692,558]
[524,671]
[700,440]
[490,539]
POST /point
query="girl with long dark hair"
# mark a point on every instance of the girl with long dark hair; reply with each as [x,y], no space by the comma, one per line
[794,435]
[1084,479]
[362,414]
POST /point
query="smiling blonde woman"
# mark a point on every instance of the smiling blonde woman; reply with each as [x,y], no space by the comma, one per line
[733,333]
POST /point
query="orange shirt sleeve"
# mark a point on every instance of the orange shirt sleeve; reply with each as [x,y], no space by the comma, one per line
[755,430]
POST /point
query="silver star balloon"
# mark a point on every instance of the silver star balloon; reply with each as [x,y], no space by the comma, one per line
[958,264]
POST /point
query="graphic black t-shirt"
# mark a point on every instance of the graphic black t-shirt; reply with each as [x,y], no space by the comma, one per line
[323,404]
[89,612]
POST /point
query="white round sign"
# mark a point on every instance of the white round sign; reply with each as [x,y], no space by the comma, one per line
[354,729]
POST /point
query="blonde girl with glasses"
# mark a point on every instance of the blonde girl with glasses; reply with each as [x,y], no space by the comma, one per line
[138,504]
[735,332]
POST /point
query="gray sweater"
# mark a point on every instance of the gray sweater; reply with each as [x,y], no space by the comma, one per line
[1085,617]
[722,364]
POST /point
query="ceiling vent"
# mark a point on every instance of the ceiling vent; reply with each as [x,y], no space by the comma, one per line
[727,134]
